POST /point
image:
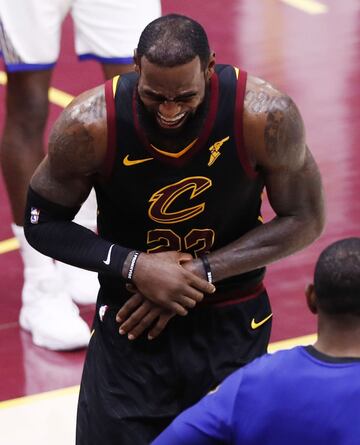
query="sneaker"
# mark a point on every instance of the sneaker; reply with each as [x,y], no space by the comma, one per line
[51,317]
[82,285]
[47,310]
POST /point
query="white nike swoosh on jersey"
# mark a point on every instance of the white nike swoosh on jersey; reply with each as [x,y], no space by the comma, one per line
[107,261]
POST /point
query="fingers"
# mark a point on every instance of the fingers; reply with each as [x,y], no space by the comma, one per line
[183,257]
[160,325]
[194,294]
[129,307]
[187,302]
[177,308]
[144,324]
[201,284]
[139,320]
[143,318]
[139,314]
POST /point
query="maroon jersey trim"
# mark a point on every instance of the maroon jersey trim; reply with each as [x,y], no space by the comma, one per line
[234,296]
[111,129]
[238,126]
[204,135]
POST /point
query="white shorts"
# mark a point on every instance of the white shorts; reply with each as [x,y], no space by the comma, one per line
[106,30]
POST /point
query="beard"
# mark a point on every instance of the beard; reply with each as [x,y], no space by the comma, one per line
[190,129]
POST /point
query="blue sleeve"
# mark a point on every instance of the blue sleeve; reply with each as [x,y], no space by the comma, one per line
[209,422]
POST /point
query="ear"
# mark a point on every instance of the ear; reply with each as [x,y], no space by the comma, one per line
[136,62]
[211,67]
[311,298]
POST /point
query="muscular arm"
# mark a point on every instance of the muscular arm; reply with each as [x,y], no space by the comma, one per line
[77,148]
[275,141]
[62,182]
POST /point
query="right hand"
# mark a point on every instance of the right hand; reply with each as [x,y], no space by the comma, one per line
[139,314]
[160,278]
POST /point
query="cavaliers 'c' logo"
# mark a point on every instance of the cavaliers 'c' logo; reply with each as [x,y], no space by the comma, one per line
[162,199]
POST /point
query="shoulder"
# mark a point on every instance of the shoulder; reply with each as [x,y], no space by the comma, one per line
[277,362]
[258,375]
[79,136]
[273,127]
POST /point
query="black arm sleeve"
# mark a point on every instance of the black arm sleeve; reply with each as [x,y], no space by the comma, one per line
[49,229]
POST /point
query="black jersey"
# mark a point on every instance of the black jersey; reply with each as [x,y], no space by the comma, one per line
[193,199]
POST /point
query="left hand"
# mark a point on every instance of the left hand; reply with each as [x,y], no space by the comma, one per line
[138,314]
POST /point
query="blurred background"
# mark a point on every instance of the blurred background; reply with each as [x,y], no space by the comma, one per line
[310,50]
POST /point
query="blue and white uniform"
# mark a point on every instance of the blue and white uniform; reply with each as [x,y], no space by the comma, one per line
[106,30]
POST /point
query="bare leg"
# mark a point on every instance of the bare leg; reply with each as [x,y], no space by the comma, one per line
[46,309]
[22,144]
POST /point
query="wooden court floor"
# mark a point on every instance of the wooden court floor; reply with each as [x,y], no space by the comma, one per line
[308,48]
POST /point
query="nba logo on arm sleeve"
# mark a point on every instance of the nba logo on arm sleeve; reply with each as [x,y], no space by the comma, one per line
[34,215]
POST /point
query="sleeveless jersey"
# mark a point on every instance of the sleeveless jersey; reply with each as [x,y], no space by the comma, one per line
[194,199]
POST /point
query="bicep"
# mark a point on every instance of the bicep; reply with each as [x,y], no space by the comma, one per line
[292,178]
[295,191]
[68,190]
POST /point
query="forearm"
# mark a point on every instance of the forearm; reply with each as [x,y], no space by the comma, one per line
[49,229]
[263,245]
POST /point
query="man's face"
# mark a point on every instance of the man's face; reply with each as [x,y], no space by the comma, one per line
[171,95]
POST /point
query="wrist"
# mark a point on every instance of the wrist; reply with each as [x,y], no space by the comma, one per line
[207,269]
[128,269]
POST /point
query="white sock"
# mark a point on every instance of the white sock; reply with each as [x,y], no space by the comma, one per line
[36,265]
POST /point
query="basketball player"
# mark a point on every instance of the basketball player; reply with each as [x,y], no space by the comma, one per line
[179,153]
[30,31]
[307,395]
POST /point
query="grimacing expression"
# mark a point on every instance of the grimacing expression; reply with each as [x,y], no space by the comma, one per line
[171,94]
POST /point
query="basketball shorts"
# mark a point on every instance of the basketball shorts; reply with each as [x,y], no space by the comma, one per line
[131,390]
[106,30]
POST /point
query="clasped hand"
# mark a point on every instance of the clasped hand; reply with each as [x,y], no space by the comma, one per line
[164,285]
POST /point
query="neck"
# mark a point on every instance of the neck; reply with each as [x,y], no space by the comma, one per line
[339,336]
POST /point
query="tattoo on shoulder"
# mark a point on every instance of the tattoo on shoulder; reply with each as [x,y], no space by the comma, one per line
[284,128]
[261,101]
[97,109]
[73,147]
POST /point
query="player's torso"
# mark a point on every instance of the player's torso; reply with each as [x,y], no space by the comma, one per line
[193,199]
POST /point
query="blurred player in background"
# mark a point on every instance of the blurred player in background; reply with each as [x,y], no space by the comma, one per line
[30,31]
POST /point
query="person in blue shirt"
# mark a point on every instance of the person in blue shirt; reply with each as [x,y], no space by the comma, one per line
[307,395]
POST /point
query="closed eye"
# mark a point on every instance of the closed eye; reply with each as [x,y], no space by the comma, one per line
[160,98]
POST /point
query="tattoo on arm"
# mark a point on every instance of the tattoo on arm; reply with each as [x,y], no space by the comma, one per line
[284,132]
[75,139]
[262,102]
[98,107]
[72,145]
[273,131]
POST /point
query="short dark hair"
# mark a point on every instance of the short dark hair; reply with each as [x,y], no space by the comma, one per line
[337,278]
[174,40]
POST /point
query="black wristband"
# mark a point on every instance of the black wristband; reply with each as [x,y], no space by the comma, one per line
[132,266]
[207,268]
